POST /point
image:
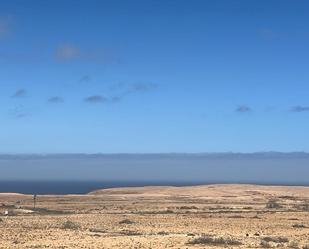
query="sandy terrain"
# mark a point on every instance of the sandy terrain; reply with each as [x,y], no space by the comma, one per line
[211,216]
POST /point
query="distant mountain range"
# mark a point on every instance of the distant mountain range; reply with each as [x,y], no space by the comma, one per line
[223,155]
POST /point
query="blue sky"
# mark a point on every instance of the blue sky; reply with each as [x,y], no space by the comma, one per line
[154,76]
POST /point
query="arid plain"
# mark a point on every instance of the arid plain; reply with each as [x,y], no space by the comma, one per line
[209,216]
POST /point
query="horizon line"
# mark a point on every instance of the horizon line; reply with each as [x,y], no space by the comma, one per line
[152,153]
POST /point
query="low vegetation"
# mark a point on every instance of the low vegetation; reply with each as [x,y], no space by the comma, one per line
[304,207]
[215,241]
[293,245]
[187,207]
[276,239]
[265,244]
[96,230]
[270,242]
[130,233]
[272,203]
[237,217]
[126,221]
[70,225]
[299,226]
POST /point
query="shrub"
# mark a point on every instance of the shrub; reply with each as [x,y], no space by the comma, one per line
[126,221]
[293,244]
[187,207]
[265,244]
[236,216]
[219,241]
[276,239]
[299,226]
[272,203]
[130,233]
[305,207]
[70,225]
[95,230]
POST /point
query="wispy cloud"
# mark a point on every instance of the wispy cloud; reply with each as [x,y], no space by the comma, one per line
[117,86]
[135,87]
[300,109]
[5,26]
[18,112]
[85,79]
[267,33]
[55,100]
[243,109]
[20,93]
[95,99]
[21,115]
[270,34]
[121,90]
[67,52]
[142,87]
[72,52]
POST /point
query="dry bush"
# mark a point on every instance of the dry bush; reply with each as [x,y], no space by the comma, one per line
[190,234]
[70,225]
[167,211]
[272,203]
[216,241]
[130,233]
[256,217]
[293,244]
[265,244]
[305,207]
[96,230]
[236,217]
[276,239]
[126,221]
[187,207]
[299,226]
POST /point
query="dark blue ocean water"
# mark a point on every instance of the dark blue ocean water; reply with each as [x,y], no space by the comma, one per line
[83,187]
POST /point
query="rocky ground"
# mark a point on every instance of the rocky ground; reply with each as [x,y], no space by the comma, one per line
[211,216]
